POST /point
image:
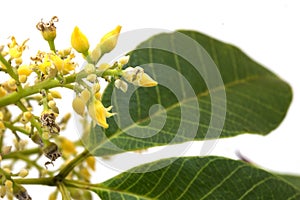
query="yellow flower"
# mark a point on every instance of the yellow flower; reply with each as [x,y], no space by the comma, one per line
[62,65]
[79,41]
[24,70]
[15,50]
[109,40]
[45,65]
[99,113]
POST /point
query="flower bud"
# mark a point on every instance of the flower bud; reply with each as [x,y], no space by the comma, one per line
[124,60]
[79,41]
[78,106]
[89,68]
[23,173]
[24,70]
[91,162]
[22,78]
[85,95]
[2,91]
[91,78]
[2,126]
[55,94]
[109,40]
[6,150]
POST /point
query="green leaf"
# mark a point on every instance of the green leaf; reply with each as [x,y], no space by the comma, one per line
[197,178]
[207,89]
[292,179]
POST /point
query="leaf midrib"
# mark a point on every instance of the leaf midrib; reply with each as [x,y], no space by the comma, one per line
[202,94]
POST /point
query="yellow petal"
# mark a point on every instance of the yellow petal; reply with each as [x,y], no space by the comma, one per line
[98,113]
[79,41]
[147,81]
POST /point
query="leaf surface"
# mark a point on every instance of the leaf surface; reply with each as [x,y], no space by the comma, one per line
[207,89]
[191,178]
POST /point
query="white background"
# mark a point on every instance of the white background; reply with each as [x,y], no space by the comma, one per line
[268,31]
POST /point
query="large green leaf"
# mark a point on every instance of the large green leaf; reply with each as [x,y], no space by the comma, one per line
[209,90]
[191,178]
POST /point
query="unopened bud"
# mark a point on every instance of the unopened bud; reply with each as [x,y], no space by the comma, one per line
[22,78]
[124,60]
[6,150]
[23,173]
[78,106]
[55,94]
[24,70]
[79,41]
[91,78]
[109,40]
[89,68]
[96,88]
[85,95]
[2,92]
[103,67]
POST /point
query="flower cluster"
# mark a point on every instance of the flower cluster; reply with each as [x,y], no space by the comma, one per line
[29,83]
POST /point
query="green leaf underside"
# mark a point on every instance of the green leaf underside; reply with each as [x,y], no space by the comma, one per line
[191,178]
[256,100]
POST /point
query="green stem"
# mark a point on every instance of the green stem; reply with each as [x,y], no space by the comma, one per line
[9,69]
[15,128]
[36,181]
[24,153]
[47,84]
[33,121]
[71,165]
[52,45]
[64,191]
[80,184]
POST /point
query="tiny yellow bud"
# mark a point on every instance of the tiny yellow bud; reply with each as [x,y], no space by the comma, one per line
[2,91]
[78,106]
[6,150]
[91,78]
[22,78]
[124,60]
[19,61]
[45,135]
[109,40]
[51,104]
[24,70]
[27,115]
[8,186]
[12,83]
[89,68]
[2,126]
[85,95]
[23,173]
[91,162]
[79,41]
[55,94]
